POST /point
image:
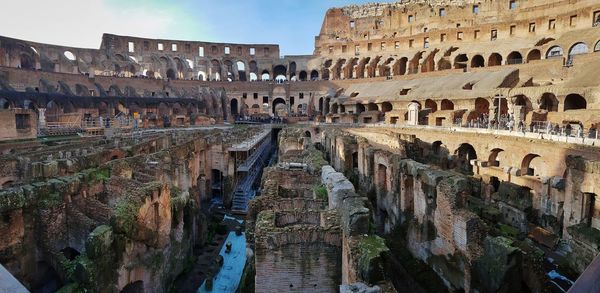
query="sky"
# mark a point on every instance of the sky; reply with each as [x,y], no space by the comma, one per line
[292,24]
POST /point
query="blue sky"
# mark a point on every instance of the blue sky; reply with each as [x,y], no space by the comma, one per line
[292,24]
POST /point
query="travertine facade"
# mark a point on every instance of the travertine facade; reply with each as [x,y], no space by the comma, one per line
[456,143]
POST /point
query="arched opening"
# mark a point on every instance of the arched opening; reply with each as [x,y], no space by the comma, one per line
[321,105]
[326,106]
[355,160]
[360,69]
[241,67]
[337,69]
[477,61]
[431,104]
[400,66]
[171,73]
[549,102]
[4,104]
[360,108]
[215,70]
[575,102]
[292,72]
[280,73]
[534,54]
[386,107]
[514,58]
[495,59]
[413,65]
[135,287]
[493,160]
[554,51]
[447,105]
[460,62]
[307,134]
[278,111]
[372,107]
[334,108]
[302,75]
[27,62]
[234,107]
[253,76]
[444,64]
[314,75]
[464,154]
[578,48]
[527,168]
[482,106]
[436,148]
[525,104]
[265,75]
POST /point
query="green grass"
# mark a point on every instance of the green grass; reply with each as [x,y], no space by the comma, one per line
[321,192]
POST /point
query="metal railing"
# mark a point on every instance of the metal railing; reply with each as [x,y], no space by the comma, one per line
[537,130]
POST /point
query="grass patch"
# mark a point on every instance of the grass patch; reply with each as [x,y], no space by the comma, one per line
[321,192]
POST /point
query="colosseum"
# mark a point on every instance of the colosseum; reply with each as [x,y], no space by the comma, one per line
[424,146]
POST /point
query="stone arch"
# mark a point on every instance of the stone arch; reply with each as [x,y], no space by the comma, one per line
[464,154]
[314,75]
[334,108]
[554,51]
[265,75]
[574,102]
[549,102]
[386,107]
[482,106]
[241,69]
[228,65]
[27,62]
[292,71]
[215,70]
[460,61]
[372,66]
[524,102]
[413,65]
[493,160]
[337,69]
[320,105]
[307,134]
[428,64]
[477,61]
[276,102]
[514,57]
[384,69]
[280,70]
[578,48]
[360,108]
[495,59]
[526,168]
[171,73]
[233,107]
[534,54]
[431,104]
[302,76]
[446,105]
[4,104]
[360,68]
[372,107]
[349,68]
[400,66]
[444,64]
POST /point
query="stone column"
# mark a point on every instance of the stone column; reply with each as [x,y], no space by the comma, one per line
[42,117]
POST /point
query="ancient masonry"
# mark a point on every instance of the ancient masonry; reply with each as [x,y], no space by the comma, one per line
[424,146]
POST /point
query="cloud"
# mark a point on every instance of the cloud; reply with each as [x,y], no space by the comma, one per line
[80,23]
